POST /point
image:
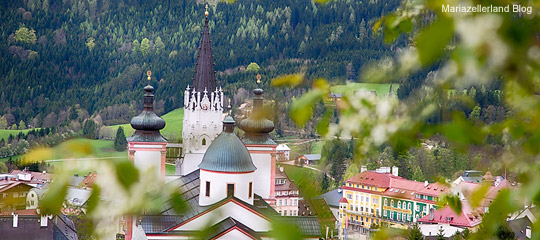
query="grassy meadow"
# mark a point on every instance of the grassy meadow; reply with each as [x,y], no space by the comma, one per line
[172,130]
[382,89]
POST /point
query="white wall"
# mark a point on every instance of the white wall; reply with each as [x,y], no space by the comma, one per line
[218,186]
[263,162]
[230,209]
[189,163]
[235,235]
[145,160]
[199,123]
[433,229]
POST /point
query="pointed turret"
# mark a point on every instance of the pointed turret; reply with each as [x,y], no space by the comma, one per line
[205,77]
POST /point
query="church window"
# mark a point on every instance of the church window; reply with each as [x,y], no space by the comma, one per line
[250,189]
[207,189]
[230,189]
[204,141]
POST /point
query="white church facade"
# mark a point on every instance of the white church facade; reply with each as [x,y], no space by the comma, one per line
[227,182]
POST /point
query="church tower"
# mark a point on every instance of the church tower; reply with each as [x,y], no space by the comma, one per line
[260,146]
[203,108]
[146,147]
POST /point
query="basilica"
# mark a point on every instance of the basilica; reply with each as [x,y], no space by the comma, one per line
[228,182]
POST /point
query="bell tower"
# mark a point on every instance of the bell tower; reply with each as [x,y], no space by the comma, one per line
[261,147]
[203,108]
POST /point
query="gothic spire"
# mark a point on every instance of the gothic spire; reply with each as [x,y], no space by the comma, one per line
[204,69]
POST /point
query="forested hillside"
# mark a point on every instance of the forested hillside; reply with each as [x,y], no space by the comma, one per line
[59,56]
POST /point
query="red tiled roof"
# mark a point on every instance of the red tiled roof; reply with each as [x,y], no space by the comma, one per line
[433,189]
[88,181]
[23,212]
[446,215]
[36,176]
[343,200]
[375,179]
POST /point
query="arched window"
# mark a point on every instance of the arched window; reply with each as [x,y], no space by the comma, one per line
[385,202]
[399,204]
[409,206]
[204,141]
[392,203]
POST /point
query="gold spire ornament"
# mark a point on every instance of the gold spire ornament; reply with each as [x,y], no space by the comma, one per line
[258,78]
[206,12]
[229,107]
[149,74]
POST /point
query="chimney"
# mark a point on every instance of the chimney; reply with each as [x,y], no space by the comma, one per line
[426,183]
[528,232]
[15,220]
[363,168]
[395,171]
[43,221]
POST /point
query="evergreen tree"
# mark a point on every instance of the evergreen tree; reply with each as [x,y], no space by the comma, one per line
[440,235]
[414,233]
[89,129]
[120,141]
[505,233]
[418,175]
[325,184]
[159,45]
[73,114]
[145,46]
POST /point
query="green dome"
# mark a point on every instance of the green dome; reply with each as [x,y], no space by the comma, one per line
[227,153]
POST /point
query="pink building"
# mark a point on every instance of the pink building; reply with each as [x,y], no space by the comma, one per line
[286,193]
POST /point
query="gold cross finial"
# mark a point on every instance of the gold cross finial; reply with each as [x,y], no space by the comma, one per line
[206,12]
[258,78]
[149,74]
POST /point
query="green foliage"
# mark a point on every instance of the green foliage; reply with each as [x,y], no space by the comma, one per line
[126,173]
[158,45]
[3,168]
[504,232]
[414,233]
[418,175]
[440,235]
[325,183]
[335,153]
[89,129]
[90,43]
[432,41]
[3,122]
[145,46]
[136,46]
[120,142]
[253,67]
[25,35]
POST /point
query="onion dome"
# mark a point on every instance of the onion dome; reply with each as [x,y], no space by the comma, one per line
[227,153]
[147,124]
[256,126]
[488,177]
